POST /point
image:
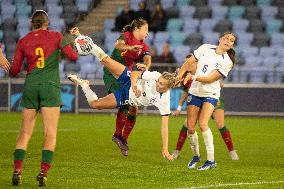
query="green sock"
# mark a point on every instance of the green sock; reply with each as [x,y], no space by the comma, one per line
[19,154]
[184,129]
[47,156]
[223,130]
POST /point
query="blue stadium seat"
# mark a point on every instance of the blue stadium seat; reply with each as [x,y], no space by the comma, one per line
[236,12]
[244,38]
[161,37]
[207,25]
[263,2]
[187,12]
[240,25]
[180,53]
[268,12]
[177,38]
[273,26]
[190,25]
[267,52]
[174,24]
[108,24]
[182,3]
[219,12]
[211,37]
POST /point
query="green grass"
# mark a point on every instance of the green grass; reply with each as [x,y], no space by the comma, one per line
[87,158]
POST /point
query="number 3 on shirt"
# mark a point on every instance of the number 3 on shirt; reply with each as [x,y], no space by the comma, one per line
[40,59]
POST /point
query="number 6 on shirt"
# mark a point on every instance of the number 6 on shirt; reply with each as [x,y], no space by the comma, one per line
[40,59]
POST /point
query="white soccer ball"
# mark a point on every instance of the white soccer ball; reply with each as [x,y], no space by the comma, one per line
[83,44]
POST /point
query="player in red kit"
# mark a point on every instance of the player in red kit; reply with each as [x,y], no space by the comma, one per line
[129,49]
[41,48]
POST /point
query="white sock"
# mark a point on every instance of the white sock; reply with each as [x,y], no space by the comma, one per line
[193,142]
[89,94]
[98,52]
[208,140]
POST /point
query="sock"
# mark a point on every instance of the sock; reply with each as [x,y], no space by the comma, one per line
[47,157]
[181,138]
[226,135]
[193,142]
[208,140]
[121,118]
[89,94]
[129,125]
[98,52]
[19,156]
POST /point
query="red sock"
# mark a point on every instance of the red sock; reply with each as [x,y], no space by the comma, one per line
[45,167]
[226,135]
[129,125]
[18,165]
[121,118]
[181,139]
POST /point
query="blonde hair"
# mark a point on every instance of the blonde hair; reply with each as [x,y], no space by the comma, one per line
[171,77]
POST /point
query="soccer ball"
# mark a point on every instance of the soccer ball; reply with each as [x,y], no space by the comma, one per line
[83,44]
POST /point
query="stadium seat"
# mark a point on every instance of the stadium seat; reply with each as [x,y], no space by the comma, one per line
[180,53]
[194,40]
[240,25]
[182,3]
[256,26]
[219,12]
[207,25]
[187,12]
[252,12]
[267,52]
[223,26]
[199,3]
[161,37]
[236,12]
[177,38]
[167,3]
[108,24]
[211,38]
[190,25]
[249,51]
[273,26]
[202,12]
[213,3]
[174,24]
[260,40]
[261,3]
[268,12]
[247,2]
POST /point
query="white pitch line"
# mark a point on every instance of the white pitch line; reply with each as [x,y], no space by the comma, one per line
[236,184]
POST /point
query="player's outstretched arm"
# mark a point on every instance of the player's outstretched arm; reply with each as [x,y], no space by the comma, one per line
[165,137]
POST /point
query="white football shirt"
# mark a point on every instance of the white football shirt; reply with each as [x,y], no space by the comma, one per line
[207,62]
[149,95]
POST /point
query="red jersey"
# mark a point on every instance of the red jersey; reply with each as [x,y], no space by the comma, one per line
[130,58]
[41,48]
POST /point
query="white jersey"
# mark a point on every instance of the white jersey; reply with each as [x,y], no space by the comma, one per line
[209,61]
[149,95]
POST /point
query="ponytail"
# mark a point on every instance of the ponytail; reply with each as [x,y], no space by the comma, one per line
[232,54]
[136,23]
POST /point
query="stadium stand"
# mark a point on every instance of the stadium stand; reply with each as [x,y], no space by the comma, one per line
[258,25]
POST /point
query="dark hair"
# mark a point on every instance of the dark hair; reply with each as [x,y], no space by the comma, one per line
[189,55]
[136,23]
[231,52]
[39,17]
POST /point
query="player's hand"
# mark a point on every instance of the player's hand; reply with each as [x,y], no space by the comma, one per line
[135,47]
[136,91]
[75,31]
[4,64]
[167,155]
[141,67]
[176,113]
[187,78]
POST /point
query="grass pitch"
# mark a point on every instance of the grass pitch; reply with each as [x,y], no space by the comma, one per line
[87,158]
